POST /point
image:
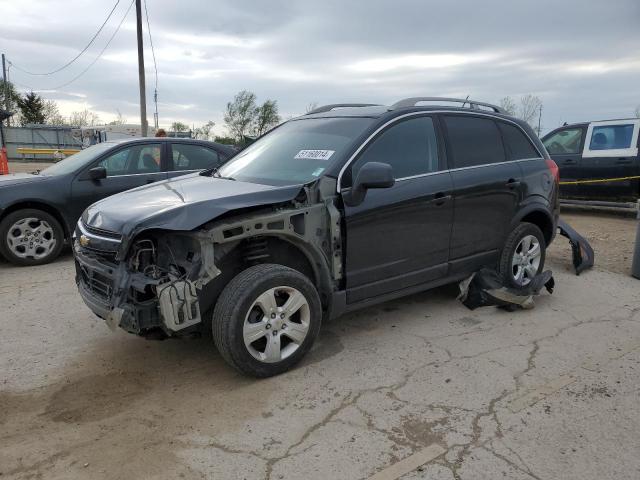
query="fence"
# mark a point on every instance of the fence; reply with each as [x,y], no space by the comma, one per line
[38,137]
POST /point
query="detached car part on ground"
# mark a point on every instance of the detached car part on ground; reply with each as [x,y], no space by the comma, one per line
[328,213]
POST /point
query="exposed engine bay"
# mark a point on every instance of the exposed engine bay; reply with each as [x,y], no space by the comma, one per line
[168,280]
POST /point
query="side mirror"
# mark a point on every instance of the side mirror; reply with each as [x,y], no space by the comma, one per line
[97,173]
[370,175]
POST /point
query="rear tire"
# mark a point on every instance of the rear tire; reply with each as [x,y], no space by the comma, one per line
[30,237]
[523,255]
[266,319]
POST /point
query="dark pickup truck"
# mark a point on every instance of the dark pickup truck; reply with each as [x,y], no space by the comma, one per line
[597,160]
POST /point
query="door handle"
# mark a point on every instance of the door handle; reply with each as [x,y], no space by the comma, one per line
[513,183]
[569,161]
[623,161]
[440,198]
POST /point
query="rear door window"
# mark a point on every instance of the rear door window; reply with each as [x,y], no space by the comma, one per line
[518,145]
[564,142]
[473,141]
[187,156]
[612,139]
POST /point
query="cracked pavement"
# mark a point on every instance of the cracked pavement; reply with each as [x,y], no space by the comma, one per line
[542,394]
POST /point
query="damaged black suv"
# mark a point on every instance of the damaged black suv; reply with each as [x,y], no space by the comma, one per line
[346,206]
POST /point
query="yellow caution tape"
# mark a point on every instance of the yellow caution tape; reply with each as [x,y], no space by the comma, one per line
[600,180]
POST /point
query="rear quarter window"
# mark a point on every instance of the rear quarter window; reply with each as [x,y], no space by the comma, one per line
[518,145]
[473,141]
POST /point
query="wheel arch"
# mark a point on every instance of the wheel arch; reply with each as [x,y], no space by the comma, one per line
[38,205]
[540,217]
[284,250]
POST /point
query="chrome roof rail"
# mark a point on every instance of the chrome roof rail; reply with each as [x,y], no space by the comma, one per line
[413,101]
[333,106]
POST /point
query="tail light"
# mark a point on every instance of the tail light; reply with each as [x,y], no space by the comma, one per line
[553,168]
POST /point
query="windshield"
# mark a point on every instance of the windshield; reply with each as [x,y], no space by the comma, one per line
[77,160]
[297,152]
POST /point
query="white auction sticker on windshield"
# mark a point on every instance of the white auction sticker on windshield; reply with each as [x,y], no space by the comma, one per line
[314,154]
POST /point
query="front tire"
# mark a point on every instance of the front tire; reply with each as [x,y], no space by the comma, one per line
[523,256]
[266,319]
[30,237]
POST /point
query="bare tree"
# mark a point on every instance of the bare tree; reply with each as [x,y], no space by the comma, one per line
[52,114]
[312,106]
[84,118]
[529,108]
[637,112]
[508,105]
[203,132]
[266,117]
[120,120]
[240,115]
[179,127]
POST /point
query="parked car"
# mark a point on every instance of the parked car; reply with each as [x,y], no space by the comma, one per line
[38,211]
[329,212]
[597,160]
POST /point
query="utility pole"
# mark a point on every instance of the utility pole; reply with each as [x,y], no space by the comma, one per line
[539,119]
[6,87]
[143,94]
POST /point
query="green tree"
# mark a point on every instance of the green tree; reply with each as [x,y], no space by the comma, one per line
[266,117]
[31,109]
[241,115]
[8,92]
[179,127]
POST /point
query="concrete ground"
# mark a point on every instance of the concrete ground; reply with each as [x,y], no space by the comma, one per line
[27,167]
[418,388]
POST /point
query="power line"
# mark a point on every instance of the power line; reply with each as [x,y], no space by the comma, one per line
[99,55]
[155,66]
[17,67]
[153,53]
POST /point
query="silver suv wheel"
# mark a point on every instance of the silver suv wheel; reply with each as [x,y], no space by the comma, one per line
[276,324]
[526,260]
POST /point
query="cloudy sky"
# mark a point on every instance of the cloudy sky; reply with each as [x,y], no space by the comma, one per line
[581,57]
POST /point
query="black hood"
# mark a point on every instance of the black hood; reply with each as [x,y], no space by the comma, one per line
[180,204]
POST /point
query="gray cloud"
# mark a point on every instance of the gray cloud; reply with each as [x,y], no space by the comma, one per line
[580,57]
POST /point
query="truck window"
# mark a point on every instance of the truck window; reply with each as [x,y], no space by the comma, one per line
[564,142]
[611,137]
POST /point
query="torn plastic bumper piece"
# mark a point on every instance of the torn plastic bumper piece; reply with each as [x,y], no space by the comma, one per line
[583,256]
[484,288]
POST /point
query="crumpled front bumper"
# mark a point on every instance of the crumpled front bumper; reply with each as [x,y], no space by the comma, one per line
[105,288]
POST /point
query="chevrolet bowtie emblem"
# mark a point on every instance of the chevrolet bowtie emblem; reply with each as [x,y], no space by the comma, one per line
[84,240]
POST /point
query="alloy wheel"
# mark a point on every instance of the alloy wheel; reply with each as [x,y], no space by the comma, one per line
[277,324]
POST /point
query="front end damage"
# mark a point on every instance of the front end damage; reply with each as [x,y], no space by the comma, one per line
[166,281]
